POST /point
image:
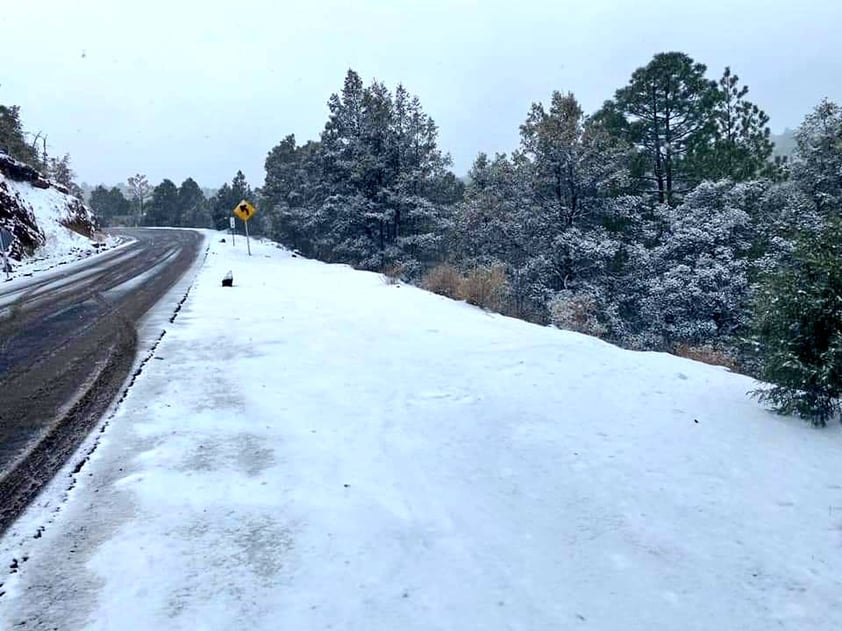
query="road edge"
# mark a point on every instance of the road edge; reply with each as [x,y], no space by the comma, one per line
[47,505]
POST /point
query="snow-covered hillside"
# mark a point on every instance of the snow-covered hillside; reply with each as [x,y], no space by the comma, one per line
[45,220]
[314,448]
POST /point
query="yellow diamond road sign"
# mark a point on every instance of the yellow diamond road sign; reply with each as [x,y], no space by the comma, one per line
[244,210]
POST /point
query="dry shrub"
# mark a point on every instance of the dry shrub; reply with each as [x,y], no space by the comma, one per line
[486,287]
[706,355]
[443,279]
[79,227]
[576,313]
[393,274]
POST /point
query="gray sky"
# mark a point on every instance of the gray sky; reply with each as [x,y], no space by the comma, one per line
[202,88]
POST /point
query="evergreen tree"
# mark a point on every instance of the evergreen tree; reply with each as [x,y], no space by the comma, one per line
[575,164]
[281,172]
[798,322]
[110,205]
[13,138]
[292,193]
[163,208]
[798,308]
[382,172]
[227,198]
[192,205]
[741,147]
[59,170]
[222,207]
[497,225]
[817,160]
[697,290]
[665,111]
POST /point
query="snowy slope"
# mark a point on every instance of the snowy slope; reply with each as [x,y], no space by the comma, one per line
[316,449]
[51,209]
[39,213]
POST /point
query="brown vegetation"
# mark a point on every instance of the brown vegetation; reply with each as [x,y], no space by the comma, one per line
[485,287]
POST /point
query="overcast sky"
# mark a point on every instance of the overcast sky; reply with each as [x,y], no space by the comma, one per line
[197,88]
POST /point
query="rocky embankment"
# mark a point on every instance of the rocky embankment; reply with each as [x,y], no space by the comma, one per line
[36,210]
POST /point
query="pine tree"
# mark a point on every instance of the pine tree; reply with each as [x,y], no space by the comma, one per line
[798,308]
[226,199]
[496,224]
[222,207]
[697,290]
[110,205]
[59,170]
[382,171]
[798,324]
[163,208]
[192,205]
[817,162]
[13,138]
[741,147]
[292,192]
[665,110]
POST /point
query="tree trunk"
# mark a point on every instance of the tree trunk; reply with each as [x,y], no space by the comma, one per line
[668,141]
[659,170]
[574,200]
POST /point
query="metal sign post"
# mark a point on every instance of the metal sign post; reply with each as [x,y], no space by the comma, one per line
[245,211]
[5,241]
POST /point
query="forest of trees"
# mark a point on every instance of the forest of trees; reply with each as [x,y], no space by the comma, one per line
[661,221]
[138,203]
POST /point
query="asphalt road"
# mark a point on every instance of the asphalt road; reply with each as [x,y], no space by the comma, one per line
[67,344]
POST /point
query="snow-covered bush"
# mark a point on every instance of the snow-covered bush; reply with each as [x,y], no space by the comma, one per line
[698,290]
[576,312]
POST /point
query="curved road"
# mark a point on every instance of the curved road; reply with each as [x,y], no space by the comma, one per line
[67,343]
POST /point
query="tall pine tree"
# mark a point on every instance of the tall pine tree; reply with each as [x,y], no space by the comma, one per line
[665,111]
[740,148]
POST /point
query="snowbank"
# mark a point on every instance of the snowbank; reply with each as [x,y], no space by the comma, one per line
[314,448]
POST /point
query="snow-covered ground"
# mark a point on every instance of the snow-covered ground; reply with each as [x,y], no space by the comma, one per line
[317,449]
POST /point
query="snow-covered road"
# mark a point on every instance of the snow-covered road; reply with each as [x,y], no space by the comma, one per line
[316,449]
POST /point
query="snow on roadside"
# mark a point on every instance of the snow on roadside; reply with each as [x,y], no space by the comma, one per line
[314,448]
[69,251]
[51,209]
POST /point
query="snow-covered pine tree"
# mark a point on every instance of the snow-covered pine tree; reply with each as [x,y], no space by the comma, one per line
[798,308]
[798,326]
[383,171]
[227,197]
[497,224]
[698,290]
[817,161]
